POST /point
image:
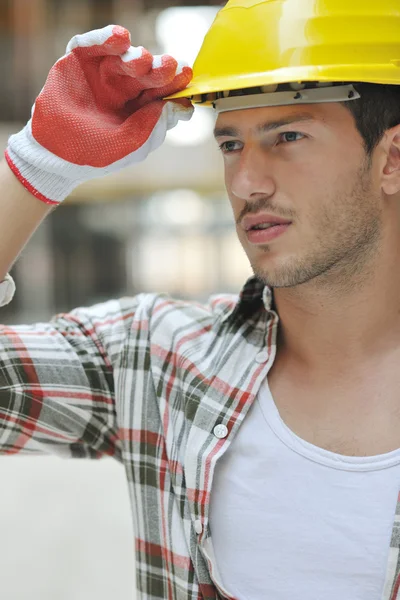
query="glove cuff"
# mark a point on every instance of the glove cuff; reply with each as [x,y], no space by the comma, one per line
[36,168]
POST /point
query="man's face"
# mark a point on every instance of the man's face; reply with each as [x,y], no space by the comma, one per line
[305,165]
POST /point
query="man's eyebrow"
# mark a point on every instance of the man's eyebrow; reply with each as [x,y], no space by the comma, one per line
[229,131]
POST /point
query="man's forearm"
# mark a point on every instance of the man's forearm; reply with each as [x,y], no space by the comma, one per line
[20,215]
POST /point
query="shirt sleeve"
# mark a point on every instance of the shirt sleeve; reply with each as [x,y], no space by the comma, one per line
[57,382]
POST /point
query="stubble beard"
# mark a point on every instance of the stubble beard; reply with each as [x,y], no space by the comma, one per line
[347,238]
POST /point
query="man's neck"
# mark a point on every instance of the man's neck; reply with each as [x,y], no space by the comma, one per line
[321,325]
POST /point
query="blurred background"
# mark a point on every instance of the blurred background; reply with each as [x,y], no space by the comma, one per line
[165,225]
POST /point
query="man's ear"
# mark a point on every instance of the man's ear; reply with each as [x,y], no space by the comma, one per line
[391,171]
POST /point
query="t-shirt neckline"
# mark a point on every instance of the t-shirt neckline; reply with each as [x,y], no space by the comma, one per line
[316,454]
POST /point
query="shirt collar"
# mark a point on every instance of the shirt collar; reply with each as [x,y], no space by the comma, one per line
[254,294]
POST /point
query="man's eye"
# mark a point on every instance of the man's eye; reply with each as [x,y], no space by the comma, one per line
[291,136]
[228,147]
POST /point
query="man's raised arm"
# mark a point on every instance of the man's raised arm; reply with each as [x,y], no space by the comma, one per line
[20,215]
[101,110]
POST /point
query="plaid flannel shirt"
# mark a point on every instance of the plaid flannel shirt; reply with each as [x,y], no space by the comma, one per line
[161,385]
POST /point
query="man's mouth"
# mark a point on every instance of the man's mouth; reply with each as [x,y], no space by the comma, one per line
[262,221]
[264,233]
[263,226]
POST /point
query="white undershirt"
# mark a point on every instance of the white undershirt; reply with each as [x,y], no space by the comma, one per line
[291,520]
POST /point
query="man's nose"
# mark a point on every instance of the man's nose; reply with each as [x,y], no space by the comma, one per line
[252,175]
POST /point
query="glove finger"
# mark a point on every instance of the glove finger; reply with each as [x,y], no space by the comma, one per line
[152,71]
[139,81]
[167,73]
[111,40]
[121,75]
[178,82]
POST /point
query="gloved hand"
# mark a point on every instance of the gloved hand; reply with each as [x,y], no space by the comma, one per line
[100,110]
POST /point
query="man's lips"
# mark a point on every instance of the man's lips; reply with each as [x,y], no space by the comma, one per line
[259,237]
[254,221]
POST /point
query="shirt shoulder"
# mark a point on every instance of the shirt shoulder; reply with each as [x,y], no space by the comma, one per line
[147,315]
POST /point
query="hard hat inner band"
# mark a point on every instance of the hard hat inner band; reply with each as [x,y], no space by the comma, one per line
[337,93]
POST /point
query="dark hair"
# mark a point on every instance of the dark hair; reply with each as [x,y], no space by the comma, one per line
[375,112]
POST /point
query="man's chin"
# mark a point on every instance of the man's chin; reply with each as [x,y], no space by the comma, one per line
[272,280]
[281,277]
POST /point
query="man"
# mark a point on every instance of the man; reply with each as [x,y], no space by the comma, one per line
[260,435]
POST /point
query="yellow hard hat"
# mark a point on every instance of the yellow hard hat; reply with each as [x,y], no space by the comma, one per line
[317,44]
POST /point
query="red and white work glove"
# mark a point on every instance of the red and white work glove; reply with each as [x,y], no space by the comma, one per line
[100,110]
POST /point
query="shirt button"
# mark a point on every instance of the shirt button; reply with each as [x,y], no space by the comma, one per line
[198,527]
[220,431]
[262,357]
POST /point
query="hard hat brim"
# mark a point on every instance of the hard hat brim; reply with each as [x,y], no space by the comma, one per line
[202,86]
